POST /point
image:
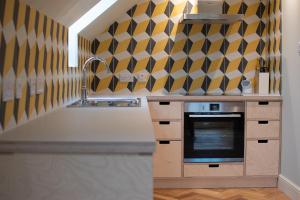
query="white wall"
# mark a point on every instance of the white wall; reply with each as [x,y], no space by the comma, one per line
[290,167]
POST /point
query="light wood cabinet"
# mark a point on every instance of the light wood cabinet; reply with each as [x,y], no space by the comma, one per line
[262,158]
[263,129]
[165,110]
[262,149]
[263,110]
[213,170]
[168,130]
[167,159]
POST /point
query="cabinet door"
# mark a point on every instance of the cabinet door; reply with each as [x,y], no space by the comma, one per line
[262,157]
[167,159]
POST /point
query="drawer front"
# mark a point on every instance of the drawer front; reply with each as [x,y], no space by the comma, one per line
[263,129]
[213,170]
[168,130]
[262,157]
[165,110]
[263,110]
[167,159]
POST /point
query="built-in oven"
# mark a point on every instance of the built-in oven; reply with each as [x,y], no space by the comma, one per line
[214,132]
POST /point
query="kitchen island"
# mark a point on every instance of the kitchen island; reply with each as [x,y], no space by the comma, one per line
[80,153]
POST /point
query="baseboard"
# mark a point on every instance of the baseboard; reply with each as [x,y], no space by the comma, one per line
[288,187]
[216,182]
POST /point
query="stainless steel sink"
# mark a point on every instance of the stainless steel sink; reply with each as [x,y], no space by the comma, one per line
[109,102]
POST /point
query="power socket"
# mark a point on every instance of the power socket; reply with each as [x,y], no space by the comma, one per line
[19,87]
[40,84]
[8,89]
[32,85]
[125,77]
[142,77]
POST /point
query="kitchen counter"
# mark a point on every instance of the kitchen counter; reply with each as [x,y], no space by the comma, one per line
[254,97]
[85,130]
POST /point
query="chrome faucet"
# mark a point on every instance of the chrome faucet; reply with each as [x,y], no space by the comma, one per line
[83,82]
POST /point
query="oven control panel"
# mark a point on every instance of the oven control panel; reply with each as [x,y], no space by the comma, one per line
[214,107]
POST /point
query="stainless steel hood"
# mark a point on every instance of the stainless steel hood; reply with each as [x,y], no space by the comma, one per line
[210,12]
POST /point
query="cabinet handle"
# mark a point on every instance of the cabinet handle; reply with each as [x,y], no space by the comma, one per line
[263,103]
[164,103]
[164,142]
[164,122]
[263,141]
[263,122]
[213,165]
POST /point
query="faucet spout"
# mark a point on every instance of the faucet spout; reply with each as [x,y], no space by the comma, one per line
[84,74]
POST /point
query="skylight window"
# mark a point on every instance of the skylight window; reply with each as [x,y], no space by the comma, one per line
[80,24]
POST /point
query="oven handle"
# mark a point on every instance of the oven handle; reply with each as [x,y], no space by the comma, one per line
[212,116]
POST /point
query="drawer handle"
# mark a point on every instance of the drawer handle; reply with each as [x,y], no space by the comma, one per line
[164,142]
[164,103]
[164,122]
[213,165]
[263,141]
[263,103]
[263,122]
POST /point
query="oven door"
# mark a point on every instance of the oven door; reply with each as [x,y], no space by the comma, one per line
[213,137]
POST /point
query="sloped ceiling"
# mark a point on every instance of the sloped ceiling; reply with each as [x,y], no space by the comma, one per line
[107,18]
[63,11]
[69,11]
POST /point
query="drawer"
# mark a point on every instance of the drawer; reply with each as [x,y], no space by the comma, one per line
[168,130]
[263,110]
[262,157]
[263,129]
[162,110]
[167,159]
[210,170]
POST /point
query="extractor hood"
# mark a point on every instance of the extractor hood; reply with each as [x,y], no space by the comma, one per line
[209,12]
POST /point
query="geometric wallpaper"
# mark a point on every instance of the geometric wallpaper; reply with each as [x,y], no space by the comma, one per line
[33,46]
[195,58]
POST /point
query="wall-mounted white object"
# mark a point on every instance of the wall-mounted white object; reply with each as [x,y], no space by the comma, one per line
[19,87]
[8,89]
[40,84]
[142,77]
[125,77]
[32,85]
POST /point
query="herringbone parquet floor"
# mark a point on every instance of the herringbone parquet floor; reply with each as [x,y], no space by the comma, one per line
[220,194]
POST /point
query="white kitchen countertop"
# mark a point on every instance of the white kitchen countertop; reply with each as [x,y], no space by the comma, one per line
[85,130]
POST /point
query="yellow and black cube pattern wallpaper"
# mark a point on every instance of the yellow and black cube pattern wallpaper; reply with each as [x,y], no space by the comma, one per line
[33,46]
[188,58]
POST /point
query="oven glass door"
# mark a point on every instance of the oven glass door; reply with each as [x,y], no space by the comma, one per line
[214,137]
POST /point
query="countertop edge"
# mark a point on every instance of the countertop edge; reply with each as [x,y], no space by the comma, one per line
[215,98]
[78,147]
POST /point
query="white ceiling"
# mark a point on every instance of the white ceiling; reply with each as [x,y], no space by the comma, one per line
[63,11]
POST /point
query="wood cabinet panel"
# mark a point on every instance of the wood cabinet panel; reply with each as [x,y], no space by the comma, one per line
[263,110]
[262,157]
[165,110]
[168,130]
[263,129]
[213,170]
[167,159]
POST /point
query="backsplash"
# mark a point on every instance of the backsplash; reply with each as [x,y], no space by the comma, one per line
[33,45]
[196,59]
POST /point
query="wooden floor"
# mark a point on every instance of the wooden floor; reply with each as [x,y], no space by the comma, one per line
[220,194]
